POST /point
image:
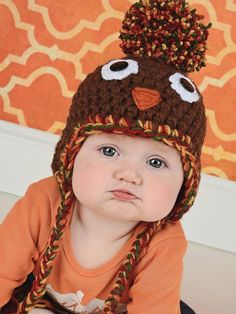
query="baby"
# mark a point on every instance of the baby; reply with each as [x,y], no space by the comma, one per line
[102,235]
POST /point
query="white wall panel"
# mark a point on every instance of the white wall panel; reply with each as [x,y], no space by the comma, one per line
[26,155]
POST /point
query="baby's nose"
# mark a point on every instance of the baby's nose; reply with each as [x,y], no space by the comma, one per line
[128,175]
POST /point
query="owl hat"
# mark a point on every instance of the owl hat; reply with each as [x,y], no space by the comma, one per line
[147,94]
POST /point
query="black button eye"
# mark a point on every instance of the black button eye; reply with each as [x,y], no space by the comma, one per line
[184,87]
[187,85]
[119,69]
[119,66]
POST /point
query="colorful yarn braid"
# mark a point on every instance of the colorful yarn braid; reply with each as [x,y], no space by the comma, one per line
[130,262]
[64,178]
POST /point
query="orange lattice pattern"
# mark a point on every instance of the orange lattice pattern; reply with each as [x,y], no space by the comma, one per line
[48,47]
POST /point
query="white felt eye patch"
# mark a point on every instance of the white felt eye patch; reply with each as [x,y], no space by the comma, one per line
[119,69]
[184,87]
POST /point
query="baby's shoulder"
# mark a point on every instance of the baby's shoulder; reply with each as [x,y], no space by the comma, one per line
[164,252]
[45,184]
[171,234]
[45,188]
[43,196]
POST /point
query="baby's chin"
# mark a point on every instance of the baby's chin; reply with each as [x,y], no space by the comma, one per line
[128,212]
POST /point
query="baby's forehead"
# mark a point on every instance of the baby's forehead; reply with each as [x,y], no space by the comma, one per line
[135,142]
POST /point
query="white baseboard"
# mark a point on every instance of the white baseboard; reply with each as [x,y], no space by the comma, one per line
[26,155]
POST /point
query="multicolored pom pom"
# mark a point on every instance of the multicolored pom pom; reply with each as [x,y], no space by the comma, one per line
[165,29]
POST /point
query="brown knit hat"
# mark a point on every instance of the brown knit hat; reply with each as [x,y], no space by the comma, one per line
[150,99]
[147,94]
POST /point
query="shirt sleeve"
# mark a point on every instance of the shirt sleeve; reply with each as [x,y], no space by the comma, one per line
[157,279]
[23,236]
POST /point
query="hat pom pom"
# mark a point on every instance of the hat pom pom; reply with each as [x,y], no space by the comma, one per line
[165,29]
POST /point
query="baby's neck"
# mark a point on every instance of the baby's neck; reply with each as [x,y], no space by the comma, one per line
[96,241]
[103,229]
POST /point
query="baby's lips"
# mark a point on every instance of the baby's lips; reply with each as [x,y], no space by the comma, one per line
[145,98]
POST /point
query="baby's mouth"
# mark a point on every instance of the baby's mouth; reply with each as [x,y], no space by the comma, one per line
[124,195]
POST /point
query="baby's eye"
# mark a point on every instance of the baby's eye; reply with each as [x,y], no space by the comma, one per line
[184,87]
[119,69]
[157,163]
[108,151]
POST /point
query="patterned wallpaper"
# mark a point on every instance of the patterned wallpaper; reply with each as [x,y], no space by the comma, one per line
[47,48]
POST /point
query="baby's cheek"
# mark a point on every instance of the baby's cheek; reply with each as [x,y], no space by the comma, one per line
[171,194]
[80,182]
[86,179]
[162,196]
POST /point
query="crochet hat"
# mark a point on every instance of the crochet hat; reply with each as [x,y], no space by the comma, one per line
[148,94]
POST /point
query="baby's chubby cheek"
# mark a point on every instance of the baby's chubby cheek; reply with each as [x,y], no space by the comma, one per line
[159,201]
[85,178]
[79,184]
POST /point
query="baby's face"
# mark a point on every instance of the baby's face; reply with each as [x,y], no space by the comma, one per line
[127,179]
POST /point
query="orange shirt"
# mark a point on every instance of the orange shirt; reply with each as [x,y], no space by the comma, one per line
[156,280]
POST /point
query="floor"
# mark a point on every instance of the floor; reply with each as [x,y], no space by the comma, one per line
[209,282]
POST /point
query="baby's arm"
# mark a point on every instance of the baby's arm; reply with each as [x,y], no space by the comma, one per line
[156,287]
[20,242]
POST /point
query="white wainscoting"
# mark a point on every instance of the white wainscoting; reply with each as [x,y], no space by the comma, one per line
[25,157]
